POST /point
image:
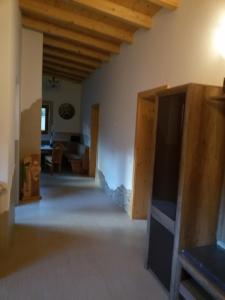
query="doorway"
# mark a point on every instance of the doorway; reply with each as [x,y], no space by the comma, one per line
[94,139]
[144,152]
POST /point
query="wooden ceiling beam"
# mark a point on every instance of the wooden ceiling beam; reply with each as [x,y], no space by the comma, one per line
[50,72]
[76,49]
[67,63]
[73,58]
[117,11]
[65,70]
[70,35]
[66,67]
[171,4]
[75,19]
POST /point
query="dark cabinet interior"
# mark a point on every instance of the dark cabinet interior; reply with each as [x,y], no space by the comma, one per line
[161,253]
[168,153]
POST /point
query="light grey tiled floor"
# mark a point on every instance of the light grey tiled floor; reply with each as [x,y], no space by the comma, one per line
[76,244]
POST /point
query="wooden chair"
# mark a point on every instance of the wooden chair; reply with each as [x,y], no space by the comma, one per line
[55,160]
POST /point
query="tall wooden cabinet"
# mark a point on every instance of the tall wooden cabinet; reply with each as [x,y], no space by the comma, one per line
[187,176]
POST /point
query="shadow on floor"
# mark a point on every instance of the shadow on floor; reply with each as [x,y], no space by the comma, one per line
[31,244]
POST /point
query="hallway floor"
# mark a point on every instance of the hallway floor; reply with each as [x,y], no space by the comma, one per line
[76,244]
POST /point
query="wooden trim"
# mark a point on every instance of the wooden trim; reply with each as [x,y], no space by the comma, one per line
[76,49]
[70,35]
[117,11]
[94,140]
[149,93]
[144,152]
[75,19]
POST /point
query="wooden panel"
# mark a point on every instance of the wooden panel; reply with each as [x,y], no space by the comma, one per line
[94,140]
[203,167]
[144,147]
[143,153]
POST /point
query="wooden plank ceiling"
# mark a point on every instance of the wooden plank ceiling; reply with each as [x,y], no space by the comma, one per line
[80,35]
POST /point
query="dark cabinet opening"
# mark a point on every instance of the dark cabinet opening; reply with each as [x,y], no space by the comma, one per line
[168,153]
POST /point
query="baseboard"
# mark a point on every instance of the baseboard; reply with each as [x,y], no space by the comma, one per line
[120,195]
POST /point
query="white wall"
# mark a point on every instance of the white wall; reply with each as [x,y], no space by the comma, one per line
[65,92]
[31,92]
[10,31]
[177,50]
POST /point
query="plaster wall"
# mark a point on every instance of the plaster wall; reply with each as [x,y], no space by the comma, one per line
[178,49]
[65,92]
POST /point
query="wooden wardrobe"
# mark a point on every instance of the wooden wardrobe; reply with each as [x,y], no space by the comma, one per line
[187,171]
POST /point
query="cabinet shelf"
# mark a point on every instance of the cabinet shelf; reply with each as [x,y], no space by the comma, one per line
[189,289]
[165,213]
[206,265]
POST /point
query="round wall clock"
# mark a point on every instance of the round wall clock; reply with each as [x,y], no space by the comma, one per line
[66,111]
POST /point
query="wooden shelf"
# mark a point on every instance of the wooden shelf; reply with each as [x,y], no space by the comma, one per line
[190,290]
[206,266]
[162,211]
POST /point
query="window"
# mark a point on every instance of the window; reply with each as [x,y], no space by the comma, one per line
[44,118]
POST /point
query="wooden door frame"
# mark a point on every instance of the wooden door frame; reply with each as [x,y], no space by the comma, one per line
[94,133]
[144,153]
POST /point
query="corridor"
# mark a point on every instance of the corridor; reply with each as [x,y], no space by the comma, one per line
[76,244]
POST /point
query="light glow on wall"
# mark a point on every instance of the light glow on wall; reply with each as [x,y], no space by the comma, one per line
[219,37]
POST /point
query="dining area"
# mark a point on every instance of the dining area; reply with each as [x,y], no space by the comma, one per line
[65,157]
[51,157]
